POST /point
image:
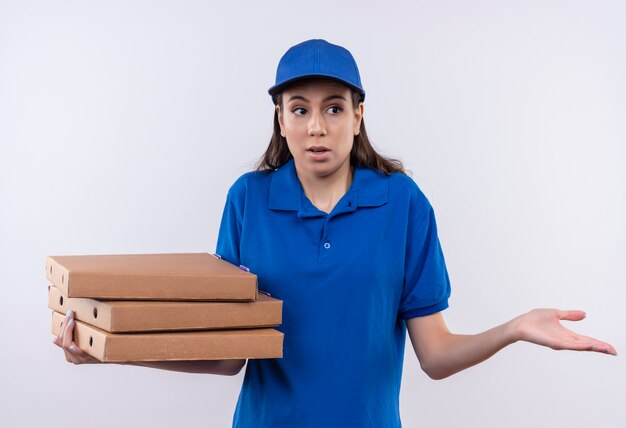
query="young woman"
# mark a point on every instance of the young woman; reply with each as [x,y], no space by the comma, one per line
[349,243]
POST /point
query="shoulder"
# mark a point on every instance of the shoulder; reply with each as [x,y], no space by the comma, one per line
[404,188]
[249,183]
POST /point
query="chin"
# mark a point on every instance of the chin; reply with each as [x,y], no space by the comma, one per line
[324,170]
[320,169]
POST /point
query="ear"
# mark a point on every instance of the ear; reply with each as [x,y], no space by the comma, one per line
[358,117]
[280,120]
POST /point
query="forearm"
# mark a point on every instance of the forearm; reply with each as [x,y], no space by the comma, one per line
[459,352]
[218,367]
[450,353]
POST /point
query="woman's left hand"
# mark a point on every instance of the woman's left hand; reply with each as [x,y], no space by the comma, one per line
[543,327]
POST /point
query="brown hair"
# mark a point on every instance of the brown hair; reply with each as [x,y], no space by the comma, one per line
[362,153]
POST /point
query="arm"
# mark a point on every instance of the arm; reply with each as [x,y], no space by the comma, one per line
[442,353]
[74,354]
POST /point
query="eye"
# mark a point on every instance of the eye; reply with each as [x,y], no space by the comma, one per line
[299,111]
[335,109]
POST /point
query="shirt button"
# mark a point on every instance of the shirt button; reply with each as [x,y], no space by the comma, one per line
[327,245]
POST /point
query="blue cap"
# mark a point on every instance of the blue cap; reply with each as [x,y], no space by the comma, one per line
[317,57]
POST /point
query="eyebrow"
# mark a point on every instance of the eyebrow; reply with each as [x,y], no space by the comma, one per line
[328,98]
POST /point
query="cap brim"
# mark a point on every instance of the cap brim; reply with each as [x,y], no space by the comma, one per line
[278,88]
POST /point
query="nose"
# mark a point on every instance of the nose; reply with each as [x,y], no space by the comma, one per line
[317,125]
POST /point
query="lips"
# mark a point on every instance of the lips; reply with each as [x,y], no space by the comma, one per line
[318,149]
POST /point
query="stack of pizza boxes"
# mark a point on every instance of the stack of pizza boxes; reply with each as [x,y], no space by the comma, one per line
[163,307]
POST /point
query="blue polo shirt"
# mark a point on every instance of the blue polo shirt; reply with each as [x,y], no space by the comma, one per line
[348,281]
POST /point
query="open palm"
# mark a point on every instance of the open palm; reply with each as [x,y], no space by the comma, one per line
[543,327]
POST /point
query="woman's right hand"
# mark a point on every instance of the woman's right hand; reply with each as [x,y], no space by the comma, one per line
[65,340]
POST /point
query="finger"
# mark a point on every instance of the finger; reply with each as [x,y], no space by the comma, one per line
[573,315]
[603,347]
[578,342]
[59,338]
[73,353]
[68,336]
[75,350]
[63,330]
[68,356]
[77,356]
[594,345]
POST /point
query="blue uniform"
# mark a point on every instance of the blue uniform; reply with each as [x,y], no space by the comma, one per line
[348,281]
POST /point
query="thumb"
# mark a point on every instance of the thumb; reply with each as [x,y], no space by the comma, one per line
[573,315]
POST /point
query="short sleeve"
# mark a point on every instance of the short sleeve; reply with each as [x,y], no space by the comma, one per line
[426,283]
[229,236]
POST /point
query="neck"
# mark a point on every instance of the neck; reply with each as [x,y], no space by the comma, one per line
[324,192]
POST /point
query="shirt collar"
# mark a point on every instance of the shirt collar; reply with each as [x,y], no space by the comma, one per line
[369,188]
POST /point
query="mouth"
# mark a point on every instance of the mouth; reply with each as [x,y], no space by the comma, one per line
[318,149]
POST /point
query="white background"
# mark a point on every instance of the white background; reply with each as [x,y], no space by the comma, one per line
[123,123]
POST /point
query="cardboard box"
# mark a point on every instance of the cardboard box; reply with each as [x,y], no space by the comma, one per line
[198,345]
[137,316]
[183,276]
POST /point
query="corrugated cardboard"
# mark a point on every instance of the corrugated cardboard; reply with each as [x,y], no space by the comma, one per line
[136,316]
[198,345]
[183,276]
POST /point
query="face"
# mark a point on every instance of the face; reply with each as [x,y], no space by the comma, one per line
[319,122]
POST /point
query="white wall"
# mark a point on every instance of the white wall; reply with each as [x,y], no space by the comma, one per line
[123,123]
